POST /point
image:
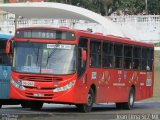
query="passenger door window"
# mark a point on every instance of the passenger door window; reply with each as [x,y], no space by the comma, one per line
[95,54]
[83,43]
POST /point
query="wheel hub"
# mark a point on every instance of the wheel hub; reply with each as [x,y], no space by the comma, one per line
[90,100]
[131,99]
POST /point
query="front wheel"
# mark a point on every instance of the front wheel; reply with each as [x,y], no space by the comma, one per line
[25,104]
[88,106]
[36,105]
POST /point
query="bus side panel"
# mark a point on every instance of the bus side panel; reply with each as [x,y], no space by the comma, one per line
[4,81]
[145,85]
[117,87]
[4,88]
[149,84]
[95,77]
[81,89]
[111,85]
[102,94]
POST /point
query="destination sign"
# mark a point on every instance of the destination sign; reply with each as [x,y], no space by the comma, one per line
[45,34]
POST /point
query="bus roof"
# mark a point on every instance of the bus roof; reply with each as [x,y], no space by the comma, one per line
[114,38]
[7,36]
[88,34]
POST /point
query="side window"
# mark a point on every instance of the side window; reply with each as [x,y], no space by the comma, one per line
[118,54]
[1,60]
[4,59]
[3,43]
[83,43]
[150,63]
[128,56]
[147,58]
[95,53]
[107,58]
[137,55]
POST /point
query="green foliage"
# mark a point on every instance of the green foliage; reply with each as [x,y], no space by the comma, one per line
[157,44]
[154,7]
[132,7]
[6,1]
[107,7]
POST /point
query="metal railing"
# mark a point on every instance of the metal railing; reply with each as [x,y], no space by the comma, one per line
[8,25]
[145,28]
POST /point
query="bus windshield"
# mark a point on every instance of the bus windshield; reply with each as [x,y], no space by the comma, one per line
[44,58]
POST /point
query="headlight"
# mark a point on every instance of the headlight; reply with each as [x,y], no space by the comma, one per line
[17,84]
[66,87]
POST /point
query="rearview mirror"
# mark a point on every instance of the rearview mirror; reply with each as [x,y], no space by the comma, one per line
[84,54]
[8,46]
[83,57]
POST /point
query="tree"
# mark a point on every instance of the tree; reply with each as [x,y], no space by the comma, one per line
[107,7]
[157,44]
[62,1]
[6,1]
[154,7]
[103,7]
[132,7]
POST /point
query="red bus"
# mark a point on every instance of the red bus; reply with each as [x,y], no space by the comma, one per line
[60,65]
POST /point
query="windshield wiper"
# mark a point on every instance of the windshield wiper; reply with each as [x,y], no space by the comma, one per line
[37,56]
[52,52]
[36,53]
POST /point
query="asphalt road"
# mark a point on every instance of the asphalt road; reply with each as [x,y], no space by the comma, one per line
[141,111]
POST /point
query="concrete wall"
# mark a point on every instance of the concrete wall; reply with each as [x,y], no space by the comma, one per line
[141,28]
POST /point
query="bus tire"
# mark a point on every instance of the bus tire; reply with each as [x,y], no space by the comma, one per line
[90,100]
[131,98]
[25,105]
[0,105]
[36,105]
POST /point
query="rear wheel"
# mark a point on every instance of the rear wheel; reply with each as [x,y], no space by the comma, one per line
[131,98]
[36,105]
[127,105]
[90,100]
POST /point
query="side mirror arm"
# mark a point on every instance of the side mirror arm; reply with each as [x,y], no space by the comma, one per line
[8,45]
[84,56]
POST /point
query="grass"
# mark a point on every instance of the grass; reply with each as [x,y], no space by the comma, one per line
[154,99]
[156,95]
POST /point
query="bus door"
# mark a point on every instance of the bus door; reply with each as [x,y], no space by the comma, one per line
[5,69]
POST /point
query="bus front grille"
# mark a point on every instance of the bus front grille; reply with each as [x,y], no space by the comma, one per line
[40,78]
[39,96]
[37,88]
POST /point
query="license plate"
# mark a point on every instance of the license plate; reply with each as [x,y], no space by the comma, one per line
[38,95]
[28,83]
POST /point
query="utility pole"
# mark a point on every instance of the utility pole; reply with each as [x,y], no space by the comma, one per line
[146,6]
[15,22]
